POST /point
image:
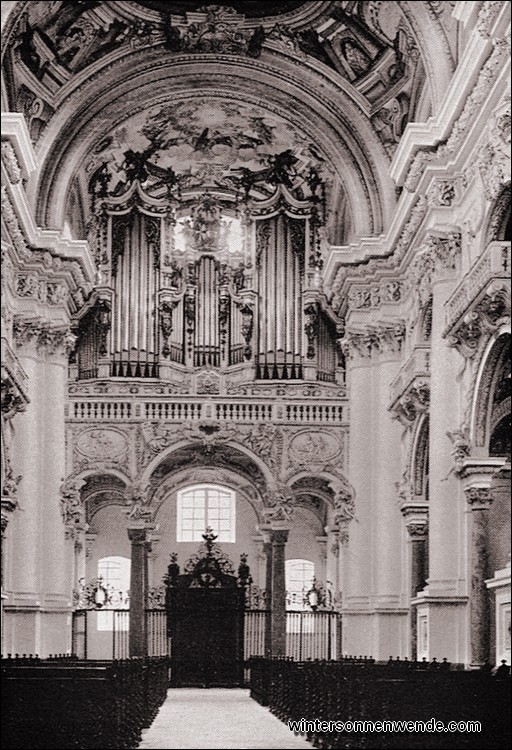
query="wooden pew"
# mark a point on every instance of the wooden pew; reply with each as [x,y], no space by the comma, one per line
[69,703]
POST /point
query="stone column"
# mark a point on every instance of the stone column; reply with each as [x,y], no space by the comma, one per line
[443,601]
[390,616]
[279,537]
[477,475]
[417,527]
[138,534]
[333,558]
[267,549]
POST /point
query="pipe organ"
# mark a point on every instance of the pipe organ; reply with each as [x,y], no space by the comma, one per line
[201,284]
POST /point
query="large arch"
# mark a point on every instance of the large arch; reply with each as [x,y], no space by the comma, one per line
[485,382]
[228,454]
[342,130]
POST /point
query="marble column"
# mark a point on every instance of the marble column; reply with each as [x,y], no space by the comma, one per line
[477,475]
[267,549]
[279,537]
[417,527]
[357,554]
[444,601]
[480,500]
[138,534]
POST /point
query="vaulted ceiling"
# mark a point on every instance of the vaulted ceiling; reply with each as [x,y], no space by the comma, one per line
[209,96]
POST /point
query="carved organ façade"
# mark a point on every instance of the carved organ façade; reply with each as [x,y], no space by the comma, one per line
[207,282]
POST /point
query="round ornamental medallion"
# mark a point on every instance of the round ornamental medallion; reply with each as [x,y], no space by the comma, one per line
[314,448]
[101,444]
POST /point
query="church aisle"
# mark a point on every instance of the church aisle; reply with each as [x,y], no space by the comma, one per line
[216,718]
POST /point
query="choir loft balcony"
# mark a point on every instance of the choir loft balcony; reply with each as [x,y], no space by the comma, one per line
[481,300]
[178,409]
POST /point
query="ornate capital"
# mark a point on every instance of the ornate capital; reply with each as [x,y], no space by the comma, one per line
[477,475]
[438,253]
[279,536]
[374,295]
[479,498]
[416,519]
[48,339]
[375,339]
[417,531]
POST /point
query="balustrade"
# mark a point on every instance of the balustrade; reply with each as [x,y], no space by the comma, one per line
[177,410]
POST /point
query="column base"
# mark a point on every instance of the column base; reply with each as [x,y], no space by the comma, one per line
[442,628]
[31,630]
[376,633]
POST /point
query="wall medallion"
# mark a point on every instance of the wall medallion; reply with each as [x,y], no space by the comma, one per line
[102,445]
[314,448]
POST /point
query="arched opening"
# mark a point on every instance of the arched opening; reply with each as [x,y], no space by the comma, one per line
[499,408]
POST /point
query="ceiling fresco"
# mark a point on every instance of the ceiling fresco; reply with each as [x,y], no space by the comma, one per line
[250,8]
[212,143]
[354,71]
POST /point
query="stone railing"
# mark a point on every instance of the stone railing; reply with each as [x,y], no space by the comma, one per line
[494,264]
[217,409]
[417,366]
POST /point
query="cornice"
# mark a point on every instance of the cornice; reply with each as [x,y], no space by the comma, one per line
[14,130]
[61,260]
[422,138]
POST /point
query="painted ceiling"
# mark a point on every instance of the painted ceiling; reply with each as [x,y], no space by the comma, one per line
[116,91]
[250,8]
[210,142]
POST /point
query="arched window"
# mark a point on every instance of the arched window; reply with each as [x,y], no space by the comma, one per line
[205,505]
[114,572]
[299,579]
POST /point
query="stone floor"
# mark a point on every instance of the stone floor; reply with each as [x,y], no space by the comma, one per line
[216,718]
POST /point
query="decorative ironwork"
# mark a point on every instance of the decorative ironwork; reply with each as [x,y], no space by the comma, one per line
[317,598]
[98,594]
[209,567]
[256,598]
[156,598]
[244,572]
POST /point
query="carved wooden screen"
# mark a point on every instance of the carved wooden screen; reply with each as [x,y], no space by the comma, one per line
[280,250]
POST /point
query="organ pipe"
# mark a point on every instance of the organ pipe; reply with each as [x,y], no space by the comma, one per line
[280,270]
[134,278]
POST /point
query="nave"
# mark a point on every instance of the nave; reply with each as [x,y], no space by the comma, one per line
[216,718]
